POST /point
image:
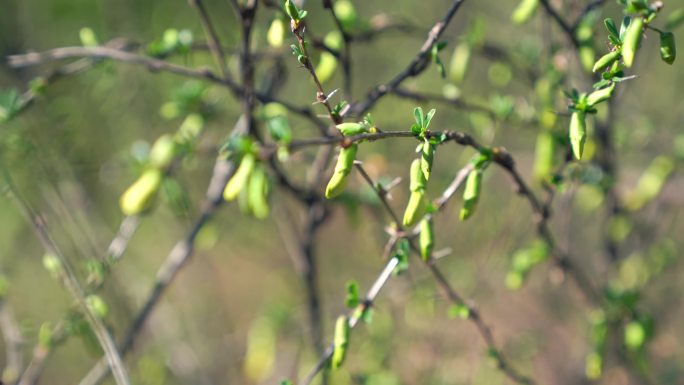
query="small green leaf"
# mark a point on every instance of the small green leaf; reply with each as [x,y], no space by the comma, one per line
[353,299]
[418,115]
[612,28]
[428,119]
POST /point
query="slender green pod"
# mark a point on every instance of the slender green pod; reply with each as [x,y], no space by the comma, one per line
[140,195]
[427,239]
[427,154]
[471,194]
[544,150]
[578,133]
[605,61]
[340,341]
[459,62]
[351,129]
[417,181]
[415,208]
[668,49]
[345,163]
[257,191]
[524,11]
[601,95]
[240,178]
[163,151]
[631,41]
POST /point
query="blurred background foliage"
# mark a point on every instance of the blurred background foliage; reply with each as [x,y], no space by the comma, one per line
[238,313]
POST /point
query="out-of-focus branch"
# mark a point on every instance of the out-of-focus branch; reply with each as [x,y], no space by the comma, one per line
[417,65]
[11,334]
[212,38]
[69,280]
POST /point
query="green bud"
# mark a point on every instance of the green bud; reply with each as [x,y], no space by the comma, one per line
[459,62]
[325,69]
[524,11]
[340,341]
[52,264]
[45,336]
[668,49]
[345,163]
[635,335]
[88,38]
[543,161]
[191,128]
[140,195]
[631,41]
[415,208]
[276,33]
[601,95]
[417,181]
[351,129]
[578,133]
[97,306]
[345,12]
[334,40]
[471,194]
[606,60]
[163,151]
[426,158]
[258,193]
[587,56]
[240,178]
[427,239]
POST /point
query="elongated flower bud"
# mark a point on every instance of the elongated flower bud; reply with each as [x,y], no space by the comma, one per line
[140,195]
[543,159]
[351,129]
[601,95]
[258,193]
[427,239]
[345,162]
[163,151]
[340,341]
[427,155]
[606,60]
[471,194]
[524,11]
[417,181]
[276,33]
[631,41]
[578,133]
[415,208]
[459,62]
[668,49]
[240,178]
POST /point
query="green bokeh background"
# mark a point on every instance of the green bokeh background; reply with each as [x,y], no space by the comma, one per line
[70,155]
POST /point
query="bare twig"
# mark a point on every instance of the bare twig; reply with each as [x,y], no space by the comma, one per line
[212,38]
[68,278]
[14,342]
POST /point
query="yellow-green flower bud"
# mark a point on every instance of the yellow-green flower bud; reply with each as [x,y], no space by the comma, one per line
[471,194]
[258,193]
[345,163]
[631,41]
[578,133]
[427,239]
[606,60]
[459,62]
[240,178]
[140,195]
[524,11]
[427,155]
[276,33]
[601,95]
[417,181]
[415,208]
[340,341]
[163,151]
[543,161]
[97,306]
[351,129]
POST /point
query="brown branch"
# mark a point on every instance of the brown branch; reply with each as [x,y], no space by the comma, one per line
[212,38]
[417,65]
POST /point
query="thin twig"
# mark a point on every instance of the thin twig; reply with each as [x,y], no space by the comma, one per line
[212,38]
